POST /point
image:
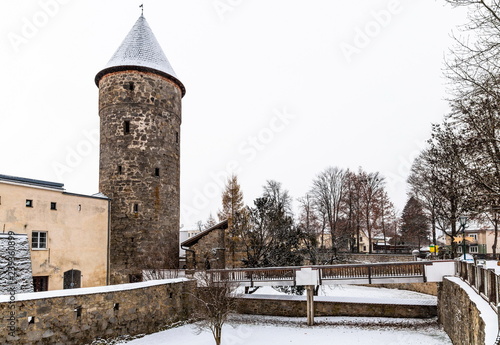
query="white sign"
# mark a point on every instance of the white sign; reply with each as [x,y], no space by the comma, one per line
[307,276]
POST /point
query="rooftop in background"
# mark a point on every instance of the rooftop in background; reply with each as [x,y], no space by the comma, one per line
[193,240]
[32,182]
[140,51]
[55,186]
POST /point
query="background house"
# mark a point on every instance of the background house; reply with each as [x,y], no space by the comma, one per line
[479,239]
[68,234]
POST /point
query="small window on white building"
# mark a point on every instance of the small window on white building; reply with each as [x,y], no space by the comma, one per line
[473,250]
[474,236]
[39,240]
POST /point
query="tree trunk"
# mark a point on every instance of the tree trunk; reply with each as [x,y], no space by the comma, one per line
[218,335]
[495,241]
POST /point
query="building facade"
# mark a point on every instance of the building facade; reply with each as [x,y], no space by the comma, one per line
[479,239]
[67,233]
[214,248]
[140,118]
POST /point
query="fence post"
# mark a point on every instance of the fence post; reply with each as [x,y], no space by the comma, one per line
[310,305]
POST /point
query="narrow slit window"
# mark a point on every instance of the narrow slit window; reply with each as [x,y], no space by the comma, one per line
[176,137]
[157,171]
[78,311]
[120,170]
[136,208]
[126,127]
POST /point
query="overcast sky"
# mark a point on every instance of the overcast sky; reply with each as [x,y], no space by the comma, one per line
[276,89]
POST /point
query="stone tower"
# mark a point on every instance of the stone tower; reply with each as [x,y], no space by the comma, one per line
[140,118]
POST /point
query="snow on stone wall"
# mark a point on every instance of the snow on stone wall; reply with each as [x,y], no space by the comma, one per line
[15,264]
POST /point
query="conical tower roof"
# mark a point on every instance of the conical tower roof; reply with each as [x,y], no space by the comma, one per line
[140,51]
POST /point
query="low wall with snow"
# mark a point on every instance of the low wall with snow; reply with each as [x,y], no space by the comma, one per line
[296,306]
[79,316]
[427,288]
[465,316]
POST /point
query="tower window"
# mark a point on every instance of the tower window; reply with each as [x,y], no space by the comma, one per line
[136,208]
[78,311]
[126,127]
[157,171]
[120,170]
[129,86]
[176,137]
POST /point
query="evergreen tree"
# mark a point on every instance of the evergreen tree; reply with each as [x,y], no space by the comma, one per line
[234,210]
[414,224]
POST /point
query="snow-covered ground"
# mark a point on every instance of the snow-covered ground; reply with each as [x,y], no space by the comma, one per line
[260,330]
[252,330]
[356,291]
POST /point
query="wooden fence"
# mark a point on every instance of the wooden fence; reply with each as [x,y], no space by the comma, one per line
[357,273]
[484,281]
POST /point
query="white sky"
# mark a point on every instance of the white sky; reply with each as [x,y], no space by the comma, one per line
[279,89]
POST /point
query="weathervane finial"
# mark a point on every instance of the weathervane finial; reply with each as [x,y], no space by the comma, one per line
[142,9]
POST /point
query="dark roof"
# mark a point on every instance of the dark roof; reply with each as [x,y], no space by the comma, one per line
[32,182]
[193,240]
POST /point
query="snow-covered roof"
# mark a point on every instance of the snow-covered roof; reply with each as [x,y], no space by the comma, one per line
[140,51]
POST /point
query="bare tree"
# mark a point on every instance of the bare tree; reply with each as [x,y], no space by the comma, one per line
[310,227]
[372,186]
[423,188]
[353,209]
[328,191]
[473,63]
[386,216]
[215,301]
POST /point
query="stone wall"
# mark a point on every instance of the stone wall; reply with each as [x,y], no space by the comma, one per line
[15,264]
[79,316]
[427,288]
[140,117]
[459,316]
[209,251]
[295,306]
